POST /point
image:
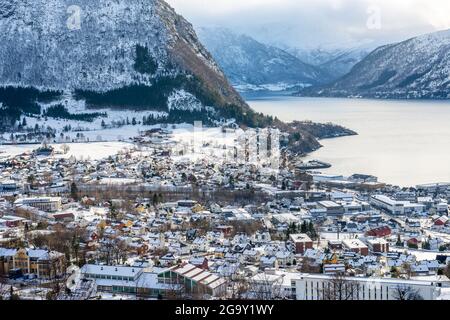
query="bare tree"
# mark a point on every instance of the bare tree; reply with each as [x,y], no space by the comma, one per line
[406,293]
[4,288]
[238,283]
[266,287]
[113,251]
[238,286]
[339,287]
[407,269]
[106,251]
[176,289]
[65,148]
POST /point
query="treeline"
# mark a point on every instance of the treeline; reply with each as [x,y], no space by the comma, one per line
[60,112]
[18,101]
[248,117]
[180,116]
[151,97]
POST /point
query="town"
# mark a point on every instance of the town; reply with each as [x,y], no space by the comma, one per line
[213,213]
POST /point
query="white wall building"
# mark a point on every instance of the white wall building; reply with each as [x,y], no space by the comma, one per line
[313,287]
[396,207]
[49,204]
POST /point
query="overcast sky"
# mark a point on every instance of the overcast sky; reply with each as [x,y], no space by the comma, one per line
[312,23]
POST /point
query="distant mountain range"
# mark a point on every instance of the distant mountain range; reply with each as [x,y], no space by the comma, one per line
[417,68]
[334,62]
[252,65]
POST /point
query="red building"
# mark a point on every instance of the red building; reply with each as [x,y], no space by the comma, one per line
[356,246]
[442,221]
[301,242]
[379,232]
[226,230]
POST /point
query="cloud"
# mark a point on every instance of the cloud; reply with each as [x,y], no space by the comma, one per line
[310,23]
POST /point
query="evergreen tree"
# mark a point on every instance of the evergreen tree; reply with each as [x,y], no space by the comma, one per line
[399,242]
[303,228]
[155,199]
[74,191]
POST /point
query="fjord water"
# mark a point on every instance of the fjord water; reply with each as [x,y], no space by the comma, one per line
[401,142]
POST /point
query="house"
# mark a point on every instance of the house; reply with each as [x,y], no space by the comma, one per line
[11,221]
[441,221]
[169,259]
[268,261]
[64,216]
[42,263]
[333,268]
[226,230]
[199,262]
[413,242]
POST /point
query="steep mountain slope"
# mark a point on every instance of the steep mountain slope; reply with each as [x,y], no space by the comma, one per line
[121,54]
[251,65]
[412,69]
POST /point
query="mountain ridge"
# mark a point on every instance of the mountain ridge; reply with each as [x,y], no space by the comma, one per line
[252,65]
[416,68]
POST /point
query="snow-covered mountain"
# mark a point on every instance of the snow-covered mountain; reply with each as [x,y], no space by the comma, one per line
[251,65]
[415,68]
[136,54]
[333,61]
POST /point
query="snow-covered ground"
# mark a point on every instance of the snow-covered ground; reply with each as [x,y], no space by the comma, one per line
[202,143]
[220,146]
[91,150]
[445,294]
[420,254]
[117,181]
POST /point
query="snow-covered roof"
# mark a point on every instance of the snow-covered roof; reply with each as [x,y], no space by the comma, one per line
[122,271]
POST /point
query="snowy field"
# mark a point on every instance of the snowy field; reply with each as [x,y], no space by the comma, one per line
[91,150]
[218,145]
[202,143]
[420,254]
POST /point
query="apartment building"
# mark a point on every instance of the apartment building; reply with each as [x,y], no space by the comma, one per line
[301,242]
[48,204]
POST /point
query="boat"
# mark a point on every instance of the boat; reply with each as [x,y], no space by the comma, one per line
[314,164]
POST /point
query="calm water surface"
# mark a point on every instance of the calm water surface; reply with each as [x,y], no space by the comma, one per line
[401,142]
